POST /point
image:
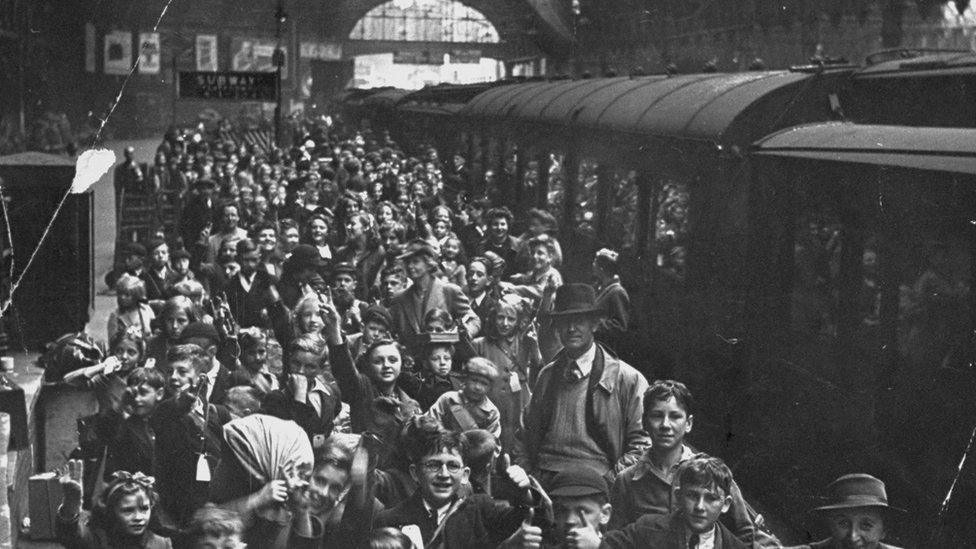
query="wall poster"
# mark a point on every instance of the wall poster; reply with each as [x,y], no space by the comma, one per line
[149,53]
[118,52]
[207,52]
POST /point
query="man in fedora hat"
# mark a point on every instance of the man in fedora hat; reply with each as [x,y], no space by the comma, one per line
[855,512]
[586,407]
[427,292]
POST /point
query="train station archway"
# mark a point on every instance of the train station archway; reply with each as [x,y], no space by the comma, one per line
[412,43]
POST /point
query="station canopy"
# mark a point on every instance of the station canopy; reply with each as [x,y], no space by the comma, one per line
[950,150]
[721,108]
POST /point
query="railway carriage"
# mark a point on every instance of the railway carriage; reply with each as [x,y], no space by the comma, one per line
[798,246]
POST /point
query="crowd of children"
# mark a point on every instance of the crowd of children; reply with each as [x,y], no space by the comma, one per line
[347,347]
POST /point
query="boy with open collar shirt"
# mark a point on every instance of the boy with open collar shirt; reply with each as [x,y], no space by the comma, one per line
[647,486]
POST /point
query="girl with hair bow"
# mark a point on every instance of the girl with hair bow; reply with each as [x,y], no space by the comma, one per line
[120,513]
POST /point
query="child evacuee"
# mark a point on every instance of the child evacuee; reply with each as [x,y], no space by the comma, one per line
[345,282]
[129,347]
[580,513]
[517,358]
[435,363]
[703,496]
[177,313]
[125,429]
[254,369]
[437,516]
[119,517]
[181,266]
[309,395]
[470,408]
[646,486]
[188,434]
[216,376]
[481,449]
[452,264]
[377,403]
[132,311]
[215,528]
[338,493]
[376,326]
[133,257]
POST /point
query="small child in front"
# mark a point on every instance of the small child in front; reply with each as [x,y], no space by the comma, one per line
[470,408]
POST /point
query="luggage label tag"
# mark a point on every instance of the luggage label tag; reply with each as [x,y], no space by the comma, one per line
[513,382]
[203,468]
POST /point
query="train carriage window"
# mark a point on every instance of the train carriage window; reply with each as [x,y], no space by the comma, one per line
[934,266]
[816,264]
[556,187]
[670,221]
[585,205]
[622,222]
[854,252]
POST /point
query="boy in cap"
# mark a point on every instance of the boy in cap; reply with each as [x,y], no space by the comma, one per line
[646,486]
[703,495]
[133,255]
[180,259]
[375,326]
[470,408]
[217,377]
[581,511]
[856,514]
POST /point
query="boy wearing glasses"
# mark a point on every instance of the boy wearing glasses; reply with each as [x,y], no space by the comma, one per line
[703,495]
[437,516]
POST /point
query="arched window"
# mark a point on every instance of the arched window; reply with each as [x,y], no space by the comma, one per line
[425,21]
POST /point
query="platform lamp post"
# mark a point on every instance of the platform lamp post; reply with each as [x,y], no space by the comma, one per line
[279,62]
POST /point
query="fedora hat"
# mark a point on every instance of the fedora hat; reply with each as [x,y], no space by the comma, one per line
[574,299]
[418,246]
[304,255]
[854,491]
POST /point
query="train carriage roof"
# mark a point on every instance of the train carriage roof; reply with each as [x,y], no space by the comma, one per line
[936,149]
[722,108]
[925,64]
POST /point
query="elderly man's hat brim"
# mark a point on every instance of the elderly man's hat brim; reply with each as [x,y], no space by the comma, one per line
[857,491]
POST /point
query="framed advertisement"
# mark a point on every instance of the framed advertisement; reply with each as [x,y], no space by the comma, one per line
[256,55]
[118,52]
[207,52]
[149,53]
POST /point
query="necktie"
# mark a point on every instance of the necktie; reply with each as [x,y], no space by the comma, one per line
[693,541]
[572,371]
